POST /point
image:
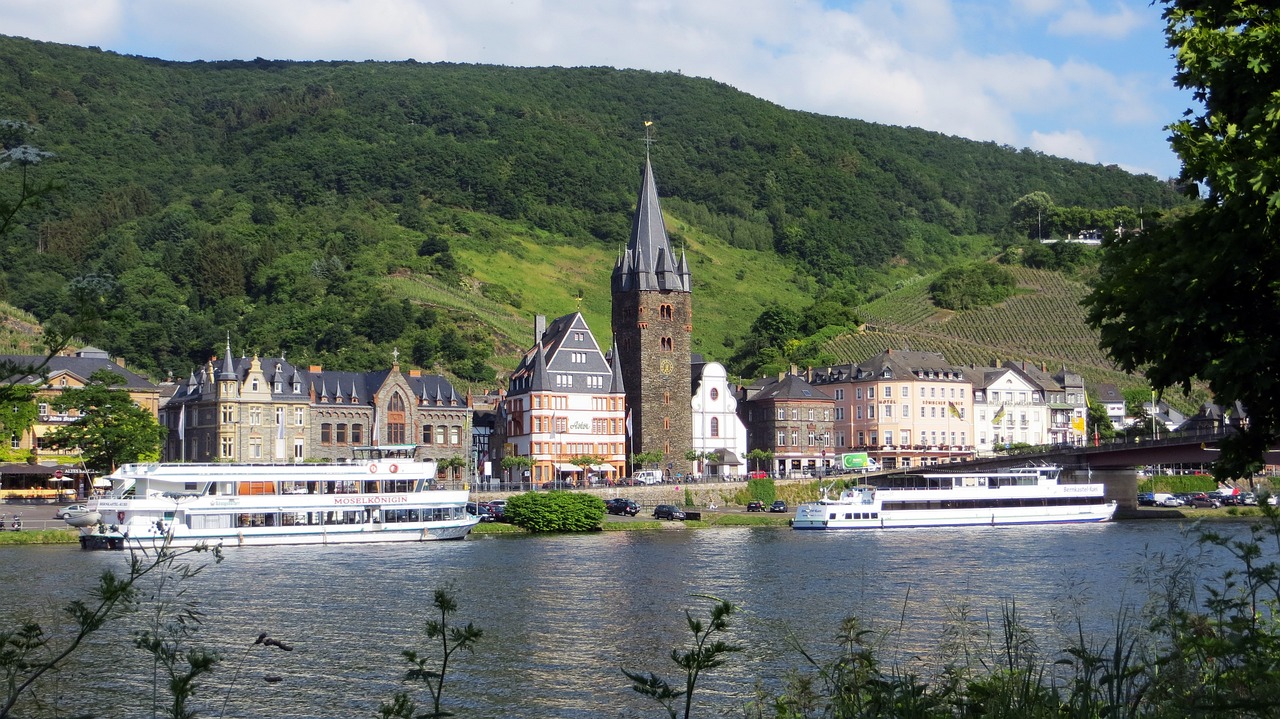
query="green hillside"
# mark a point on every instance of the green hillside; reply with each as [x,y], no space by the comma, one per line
[337,210]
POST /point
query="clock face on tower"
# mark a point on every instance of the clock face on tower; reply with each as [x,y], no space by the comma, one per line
[665,366]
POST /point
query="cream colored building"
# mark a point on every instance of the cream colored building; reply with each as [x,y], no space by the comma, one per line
[903,408]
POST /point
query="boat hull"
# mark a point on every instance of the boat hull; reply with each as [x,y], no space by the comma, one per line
[960,518]
[1025,495]
[282,536]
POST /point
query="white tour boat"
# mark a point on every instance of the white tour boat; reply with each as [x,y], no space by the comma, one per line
[1026,495]
[382,495]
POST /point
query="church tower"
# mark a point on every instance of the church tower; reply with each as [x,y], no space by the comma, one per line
[652,326]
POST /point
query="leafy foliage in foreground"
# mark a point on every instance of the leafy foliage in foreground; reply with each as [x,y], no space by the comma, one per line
[555,511]
[1194,298]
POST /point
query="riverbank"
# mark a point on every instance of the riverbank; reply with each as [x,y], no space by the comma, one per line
[709,518]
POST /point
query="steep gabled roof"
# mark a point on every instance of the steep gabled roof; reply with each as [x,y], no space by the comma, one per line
[648,263]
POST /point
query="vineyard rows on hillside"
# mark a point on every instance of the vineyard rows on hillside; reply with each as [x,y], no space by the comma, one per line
[1042,325]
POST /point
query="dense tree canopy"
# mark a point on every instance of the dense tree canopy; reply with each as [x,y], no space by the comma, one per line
[1198,297]
[296,204]
[963,288]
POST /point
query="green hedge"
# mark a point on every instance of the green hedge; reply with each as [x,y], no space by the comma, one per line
[1178,483]
[555,511]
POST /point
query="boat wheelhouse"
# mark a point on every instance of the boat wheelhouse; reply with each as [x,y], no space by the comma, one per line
[1024,495]
[382,494]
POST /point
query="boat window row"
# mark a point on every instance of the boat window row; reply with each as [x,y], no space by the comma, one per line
[924,481]
[856,515]
[240,520]
[992,503]
[346,486]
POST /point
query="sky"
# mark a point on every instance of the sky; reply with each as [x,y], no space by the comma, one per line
[1089,80]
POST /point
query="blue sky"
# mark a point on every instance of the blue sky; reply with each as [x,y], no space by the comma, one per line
[1085,79]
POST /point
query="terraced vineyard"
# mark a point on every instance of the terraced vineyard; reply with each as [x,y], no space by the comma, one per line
[1043,325]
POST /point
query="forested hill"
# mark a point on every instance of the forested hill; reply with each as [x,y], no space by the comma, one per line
[335,209]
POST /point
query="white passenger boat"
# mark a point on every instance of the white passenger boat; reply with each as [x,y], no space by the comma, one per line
[382,495]
[1027,495]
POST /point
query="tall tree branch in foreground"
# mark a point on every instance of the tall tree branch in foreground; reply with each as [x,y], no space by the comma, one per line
[1196,296]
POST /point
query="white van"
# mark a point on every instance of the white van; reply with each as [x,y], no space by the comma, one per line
[648,476]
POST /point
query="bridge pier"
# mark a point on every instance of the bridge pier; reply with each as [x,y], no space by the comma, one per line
[1120,484]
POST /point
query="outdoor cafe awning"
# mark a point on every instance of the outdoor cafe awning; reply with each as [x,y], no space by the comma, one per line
[27,470]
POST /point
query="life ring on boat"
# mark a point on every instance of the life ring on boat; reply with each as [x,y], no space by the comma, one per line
[394,469]
[373,469]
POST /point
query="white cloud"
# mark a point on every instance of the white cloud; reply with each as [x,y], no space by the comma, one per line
[74,22]
[1081,20]
[1071,144]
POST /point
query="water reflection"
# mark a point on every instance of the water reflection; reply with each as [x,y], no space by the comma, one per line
[561,615]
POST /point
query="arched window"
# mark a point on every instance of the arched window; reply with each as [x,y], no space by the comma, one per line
[666,344]
[715,426]
[395,420]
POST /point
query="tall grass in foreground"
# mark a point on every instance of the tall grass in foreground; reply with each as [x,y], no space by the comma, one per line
[1197,648]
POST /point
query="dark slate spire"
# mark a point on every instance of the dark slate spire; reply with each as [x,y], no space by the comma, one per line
[538,379]
[615,366]
[648,263]
[228,367]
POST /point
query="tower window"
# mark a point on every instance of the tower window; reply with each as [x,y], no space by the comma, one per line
[666,344]
[665,312]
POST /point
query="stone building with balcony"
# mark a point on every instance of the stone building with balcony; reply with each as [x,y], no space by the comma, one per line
[1021,403]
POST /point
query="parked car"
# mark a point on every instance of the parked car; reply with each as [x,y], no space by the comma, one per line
[621,506]
[65,512]
[1147,499]
[1203,501]
[754,506]
[778,506]
[498,508]
[667,511]
[480,511]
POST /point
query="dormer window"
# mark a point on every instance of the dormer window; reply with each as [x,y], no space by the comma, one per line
[297,387]
[253,385]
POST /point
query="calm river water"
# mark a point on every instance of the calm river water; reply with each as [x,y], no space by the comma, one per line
[562,614]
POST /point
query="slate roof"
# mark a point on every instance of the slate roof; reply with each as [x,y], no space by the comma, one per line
[355,388]
[648,262]
[893,364]
[81,366]
[790,387]
[553,354]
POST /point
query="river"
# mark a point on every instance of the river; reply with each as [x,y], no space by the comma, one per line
[562,614]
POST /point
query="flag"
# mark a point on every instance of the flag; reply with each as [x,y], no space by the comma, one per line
[955,411]
[648,123]
[628,421]
[998,416]
[182,423]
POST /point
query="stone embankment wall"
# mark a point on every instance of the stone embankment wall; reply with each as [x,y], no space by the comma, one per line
[704,493]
